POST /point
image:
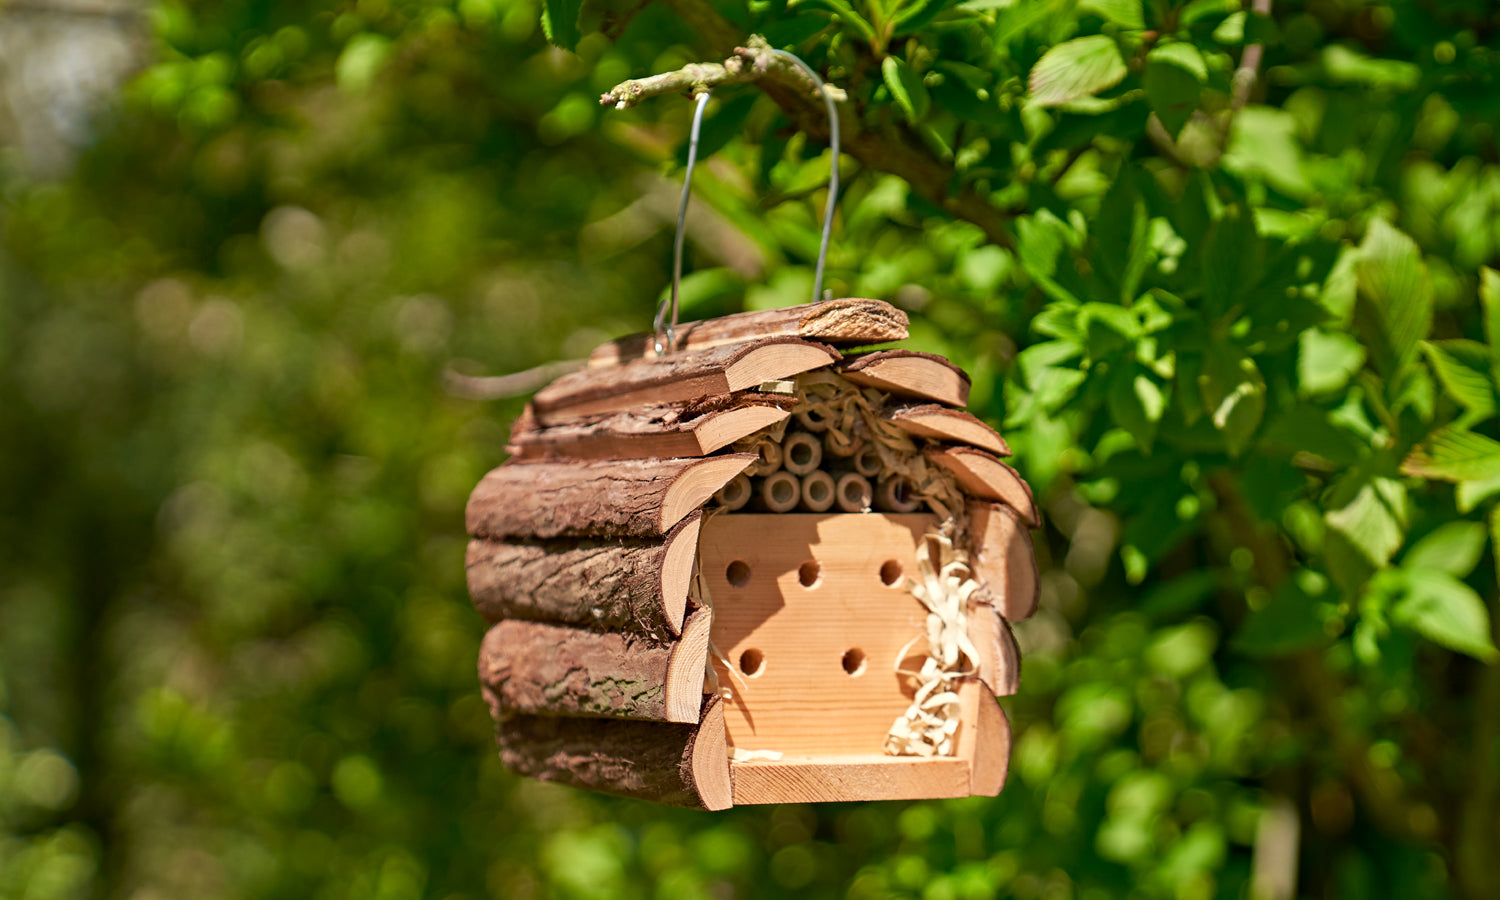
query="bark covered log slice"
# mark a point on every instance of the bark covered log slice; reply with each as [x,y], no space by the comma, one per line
[909,374]
[1004,559]
[536,668]
[638,586]
[627,498]
[954,426]
[847,321]
[982,475]
[678,377]
[682,765]
[656,432]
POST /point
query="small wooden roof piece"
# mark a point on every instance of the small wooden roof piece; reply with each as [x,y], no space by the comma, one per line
[644,643]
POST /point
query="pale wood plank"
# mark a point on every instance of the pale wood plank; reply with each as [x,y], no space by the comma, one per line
[908,373]
[803,701]
[1003,558]
[987,478]
[677,378]
[950,425]
[626,498]
[848,778]
[843,322]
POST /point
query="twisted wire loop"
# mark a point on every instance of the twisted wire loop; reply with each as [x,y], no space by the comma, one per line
[668,340]
[666,333]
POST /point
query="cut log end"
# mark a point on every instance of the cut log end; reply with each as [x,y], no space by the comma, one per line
[1004,559]
[708,759]
[991,762]
[983,476]
[910,374]
[687,668]
[699,483]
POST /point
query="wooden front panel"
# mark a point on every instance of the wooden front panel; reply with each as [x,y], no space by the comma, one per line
[812,610]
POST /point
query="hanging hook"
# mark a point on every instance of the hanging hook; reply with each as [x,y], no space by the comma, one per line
[687,192]
[666,334]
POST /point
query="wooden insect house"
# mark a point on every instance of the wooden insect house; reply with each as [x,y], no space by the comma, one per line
[755,569]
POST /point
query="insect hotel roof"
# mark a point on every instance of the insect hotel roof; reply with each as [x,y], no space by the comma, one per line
[647,642]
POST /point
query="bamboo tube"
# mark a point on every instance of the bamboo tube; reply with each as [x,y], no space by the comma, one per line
[895,494]
[867,461]
[770,459]
[780,491]
[736,493]
[817,491]
[815,419]
[853,493]
[801,453]
[839,444]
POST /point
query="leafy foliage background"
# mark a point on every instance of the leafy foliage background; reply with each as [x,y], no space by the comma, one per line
[1233,318]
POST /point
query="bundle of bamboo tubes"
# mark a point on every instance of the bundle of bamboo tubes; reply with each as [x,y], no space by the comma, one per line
[816,469]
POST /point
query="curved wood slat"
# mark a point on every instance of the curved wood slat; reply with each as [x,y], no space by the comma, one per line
[1003,558]
[949,425]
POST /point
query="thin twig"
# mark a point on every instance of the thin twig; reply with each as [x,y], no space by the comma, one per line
[887,150]
[516,384]
[752,62]
[1249,70]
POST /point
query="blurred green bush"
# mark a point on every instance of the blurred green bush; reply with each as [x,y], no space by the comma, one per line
[1228,305]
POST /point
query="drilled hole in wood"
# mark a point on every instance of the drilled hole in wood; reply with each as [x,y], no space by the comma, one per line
[810,574]
[854,662]
[890,573]
[752,661]
[738,573]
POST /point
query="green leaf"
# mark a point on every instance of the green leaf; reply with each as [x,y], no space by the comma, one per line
[1263,144]
[1489,297]
[1233,258]
[1017,18]
[1464,368]
[1136,404]
[847,16]
[1081,67]
[1234,394]
[1453,548]
[1470,494]
[560,22]
[1394,308]
[1454,454]
[1174,79]
[1125,13]
[1373,519]
[1326,361]
[906,87]
[1446,611]
[1352,67]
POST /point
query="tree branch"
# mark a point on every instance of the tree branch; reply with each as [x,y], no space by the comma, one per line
[1249,69]
[887,150]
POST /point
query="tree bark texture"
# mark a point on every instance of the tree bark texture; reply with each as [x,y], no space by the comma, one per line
[846,321]
[677,377]
[621,585]
[682,765]
[627,498]
[539,668]
[668,431]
